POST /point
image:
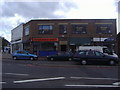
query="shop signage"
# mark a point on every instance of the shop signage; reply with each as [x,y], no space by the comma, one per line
[63,42]
[99,39]
[44,39]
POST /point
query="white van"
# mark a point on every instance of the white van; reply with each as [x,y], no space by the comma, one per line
[102,49]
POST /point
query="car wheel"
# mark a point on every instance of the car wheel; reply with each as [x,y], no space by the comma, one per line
[83,62]
[31,58]
[112,62]
[51,59]
[70,59]
[14,58]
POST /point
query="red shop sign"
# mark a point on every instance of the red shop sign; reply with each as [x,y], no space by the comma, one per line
[44,39]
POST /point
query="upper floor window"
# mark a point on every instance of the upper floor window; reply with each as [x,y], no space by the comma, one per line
[79,29]
[45,29]
[27,31]
[104,28]
[63,29]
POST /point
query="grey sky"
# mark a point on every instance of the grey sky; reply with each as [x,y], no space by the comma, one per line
[15,13]
[25,11]
[30,9]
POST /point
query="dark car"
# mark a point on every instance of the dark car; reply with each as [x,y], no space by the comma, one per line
[61,56]
[90,56]
[21,54]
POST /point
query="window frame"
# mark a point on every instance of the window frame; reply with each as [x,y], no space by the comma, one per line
[26,30]
[45,29]
[103,28]
[61,27]
[76,28]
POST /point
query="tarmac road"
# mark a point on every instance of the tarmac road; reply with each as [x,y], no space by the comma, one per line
[57,74]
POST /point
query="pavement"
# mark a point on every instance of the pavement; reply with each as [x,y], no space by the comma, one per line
[6,56]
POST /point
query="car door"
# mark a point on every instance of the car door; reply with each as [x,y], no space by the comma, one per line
[68,56]
[80,55]
[24,55]
[90,56]
[100,57]
[57,57]
[18,54]
[62,56]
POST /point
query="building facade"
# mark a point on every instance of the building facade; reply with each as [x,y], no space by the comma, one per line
[16,38]
[118,44]
[43,37]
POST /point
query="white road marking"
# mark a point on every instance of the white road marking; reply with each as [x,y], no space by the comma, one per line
[33,80]
[2,82]
[91,86]
[17,74]
[94,78]
[116,83]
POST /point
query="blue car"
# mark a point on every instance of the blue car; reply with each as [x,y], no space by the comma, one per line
[21,54]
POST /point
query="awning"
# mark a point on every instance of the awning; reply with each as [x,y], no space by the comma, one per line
[44,39]
[80,41]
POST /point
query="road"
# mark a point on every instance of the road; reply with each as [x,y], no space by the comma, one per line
[57,74]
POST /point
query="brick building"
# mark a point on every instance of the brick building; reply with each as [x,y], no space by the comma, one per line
[118,44]
[55,35]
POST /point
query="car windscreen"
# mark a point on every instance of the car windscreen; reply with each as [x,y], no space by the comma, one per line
[98,53]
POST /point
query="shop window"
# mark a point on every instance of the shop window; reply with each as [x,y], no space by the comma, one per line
[63,47]
[26,29]
[103,28]
[45,29]
[79,29]
[62,29]
[47,46]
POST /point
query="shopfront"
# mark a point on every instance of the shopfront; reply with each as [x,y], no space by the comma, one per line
[44,46]
[74,43]
[51,46]
[63,46]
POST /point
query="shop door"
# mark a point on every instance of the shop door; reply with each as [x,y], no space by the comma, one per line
[63,48]
[35,49]
[73,48]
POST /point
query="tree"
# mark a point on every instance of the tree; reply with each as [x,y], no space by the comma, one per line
[3,43]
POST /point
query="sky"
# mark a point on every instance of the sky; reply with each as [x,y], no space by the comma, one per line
[15,12]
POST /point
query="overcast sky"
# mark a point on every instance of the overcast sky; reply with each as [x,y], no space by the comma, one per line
[14,13]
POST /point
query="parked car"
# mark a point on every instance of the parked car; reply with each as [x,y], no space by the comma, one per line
[21,54]
[90,56]
[61,56]
[102,49]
